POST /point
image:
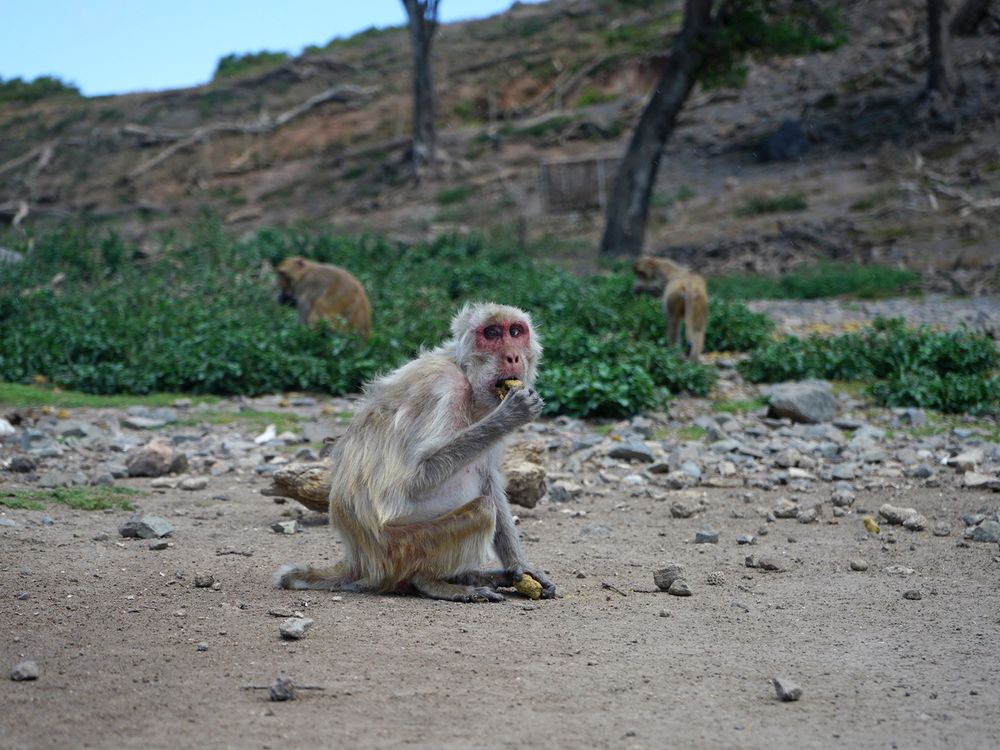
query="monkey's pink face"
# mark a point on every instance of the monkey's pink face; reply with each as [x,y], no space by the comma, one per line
[506,344]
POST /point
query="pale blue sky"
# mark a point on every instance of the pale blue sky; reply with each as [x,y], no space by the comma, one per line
[116,46]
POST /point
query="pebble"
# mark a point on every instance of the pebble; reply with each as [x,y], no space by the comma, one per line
[146,527]
[632,450]
[24,596]
[858,564]
[706,537]
[679,588]
[667,575]
[295,628]
[285,527]
[162,544]
[941,529]
[203,580]
[913,595]
[746,539]
[192,484]
[716,578]
[281,689]
[899,570]
[202,646]
[24,671]
[786,690]
[987,531]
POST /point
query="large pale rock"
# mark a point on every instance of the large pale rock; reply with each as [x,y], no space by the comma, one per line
[525,474]
[809,401]
[153,460]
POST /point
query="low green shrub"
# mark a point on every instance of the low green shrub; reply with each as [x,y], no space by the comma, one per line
[235,64]
[950,371]
[201,318]
[43,87]
[778,204]
[816,281]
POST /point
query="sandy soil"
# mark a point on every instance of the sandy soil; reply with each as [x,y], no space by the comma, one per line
[114,628]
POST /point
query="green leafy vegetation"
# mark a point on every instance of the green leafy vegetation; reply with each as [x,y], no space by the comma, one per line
[43,87]
[778,204]
[201,319]
[19,394]
[736,407]
[235,64]
[80,498]
[592,95]
[950,372]
[451,196]
[816,281]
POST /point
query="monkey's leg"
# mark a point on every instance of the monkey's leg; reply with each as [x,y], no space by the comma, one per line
[340,577]
[433,554]
[495,579]
[673,329]
[695,323]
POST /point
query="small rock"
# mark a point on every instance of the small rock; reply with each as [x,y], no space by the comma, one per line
[716,578]
[842,498]
[987,531]
[899,570]
[146,527]
[632,450]
[786,690]
[153,460]
[746,539]
[194,483]
[24,596]
[285,527]
[563,491]
[808,401]
[24,671]
[143,423]
[976,480]
[913,595]
[859,565]
[967,461]
[706,537]
[772,564]
[681,509]
[785,508]
[667,575]
[843,472]
[23,464]
[916,522]
[202,646]
[941,529]
[679,588]
[807,516]
[203,580]
[162,544]
[895,515]
[295,628]
[281,689]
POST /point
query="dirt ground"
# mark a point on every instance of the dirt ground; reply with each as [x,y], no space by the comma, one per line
[114,628]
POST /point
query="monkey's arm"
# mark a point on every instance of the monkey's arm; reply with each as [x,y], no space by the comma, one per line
[506,542]
[440,464]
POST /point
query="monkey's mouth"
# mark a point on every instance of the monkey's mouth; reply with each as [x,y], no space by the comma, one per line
[505,385]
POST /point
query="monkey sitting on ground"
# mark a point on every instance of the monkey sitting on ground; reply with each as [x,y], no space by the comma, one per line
[684,299]
[324,292]
[418,497]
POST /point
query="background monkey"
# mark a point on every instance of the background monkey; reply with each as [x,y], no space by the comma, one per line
[324,292]
[685,298]
[418,497]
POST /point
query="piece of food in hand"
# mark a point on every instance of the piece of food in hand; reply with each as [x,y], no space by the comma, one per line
[505,386]
[528,587]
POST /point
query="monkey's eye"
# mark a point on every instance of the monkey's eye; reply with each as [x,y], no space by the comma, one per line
[493,332]
[516,330]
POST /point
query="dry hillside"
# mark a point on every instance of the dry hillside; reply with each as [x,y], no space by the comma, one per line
[322,138]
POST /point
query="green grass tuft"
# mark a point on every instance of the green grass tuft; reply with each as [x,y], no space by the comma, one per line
[80,498]
[779,204]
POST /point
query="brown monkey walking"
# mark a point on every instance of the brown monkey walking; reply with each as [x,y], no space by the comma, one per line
[685,298]
[418,497]
[324,292]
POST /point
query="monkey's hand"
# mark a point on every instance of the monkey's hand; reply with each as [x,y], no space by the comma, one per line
[521,406]
[518,571]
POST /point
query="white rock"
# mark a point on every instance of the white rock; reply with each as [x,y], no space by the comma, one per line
[267,435]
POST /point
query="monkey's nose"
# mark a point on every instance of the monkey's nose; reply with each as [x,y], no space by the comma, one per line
[513,359]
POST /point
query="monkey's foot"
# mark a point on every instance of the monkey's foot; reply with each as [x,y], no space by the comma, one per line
[494,579]
[454,592]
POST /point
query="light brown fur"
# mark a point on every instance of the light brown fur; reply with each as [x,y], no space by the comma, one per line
[418,498]
[685,299]
[325,292]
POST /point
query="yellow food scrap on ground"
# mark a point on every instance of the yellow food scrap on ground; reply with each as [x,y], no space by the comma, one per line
[63,414]
[870,524]
[529,587]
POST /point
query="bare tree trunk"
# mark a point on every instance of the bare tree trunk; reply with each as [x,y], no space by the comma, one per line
[423,15]
[628,204]
[968,17]
[940,69]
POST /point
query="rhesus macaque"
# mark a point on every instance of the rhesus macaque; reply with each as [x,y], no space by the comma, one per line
[418,497]
[324,292]
[684,299]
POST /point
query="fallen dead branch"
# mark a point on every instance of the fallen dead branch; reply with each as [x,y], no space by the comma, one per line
[343,93]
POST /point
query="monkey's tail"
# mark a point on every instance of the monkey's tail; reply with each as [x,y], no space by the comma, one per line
[336,578]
